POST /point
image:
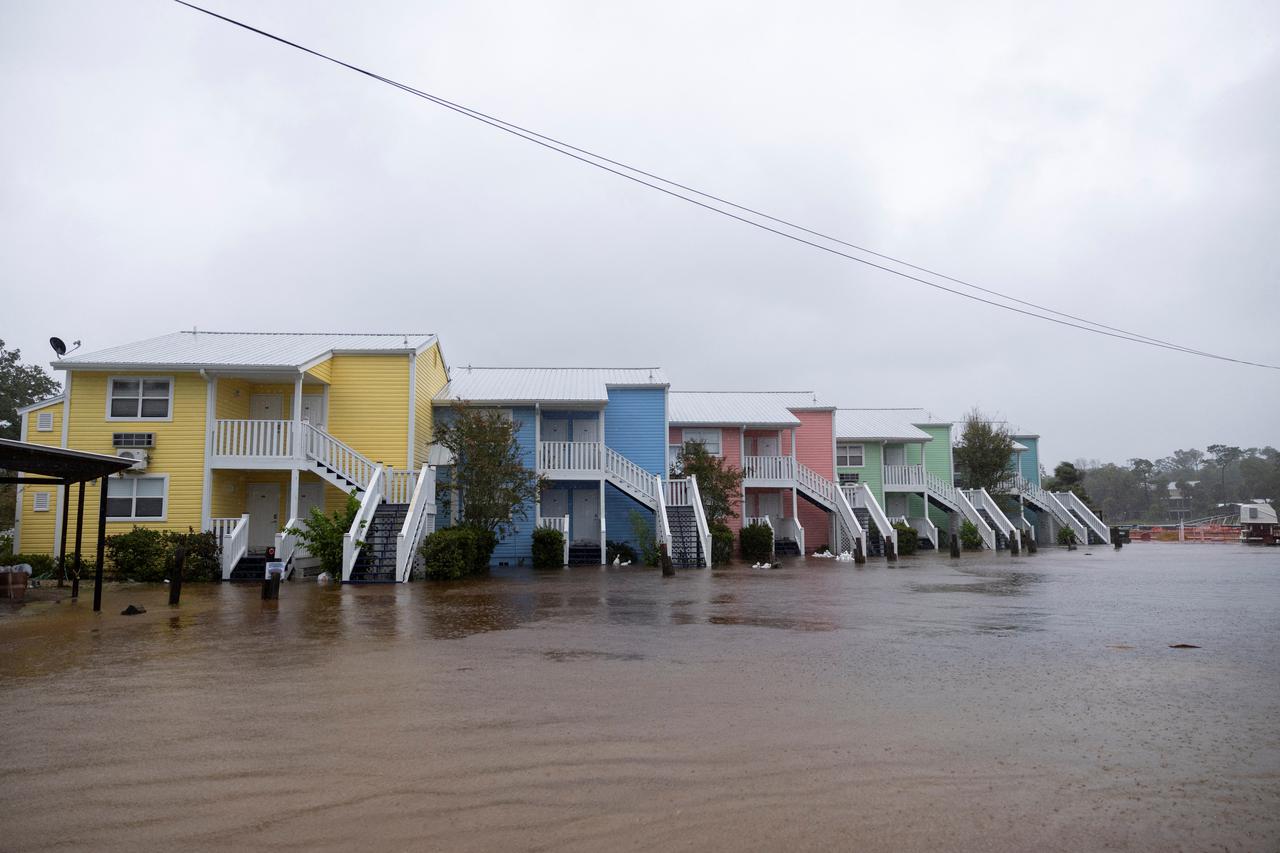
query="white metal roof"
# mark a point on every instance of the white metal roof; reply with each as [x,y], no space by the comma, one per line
[882,424]
[740,408]
[1019,447]
[193,350]
[545,384]
[40,404]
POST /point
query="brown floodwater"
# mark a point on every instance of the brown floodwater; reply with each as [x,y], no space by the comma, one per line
[991,703]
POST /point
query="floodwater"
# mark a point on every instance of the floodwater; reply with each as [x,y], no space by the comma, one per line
[991,703]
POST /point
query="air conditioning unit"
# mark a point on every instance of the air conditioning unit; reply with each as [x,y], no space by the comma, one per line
[138,455]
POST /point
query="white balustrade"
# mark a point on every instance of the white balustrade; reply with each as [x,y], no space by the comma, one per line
[418,521]
[704,529]
[768,467]
[353,539]
[249,437]
[561,523]
[569,455]
[662,527]
[287,545]
[815,483]
[234,541]
[339,457]
[401,486]
[904,475]
[678,493]
[632,477]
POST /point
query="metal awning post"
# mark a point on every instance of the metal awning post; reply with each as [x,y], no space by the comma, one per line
[75,578]
[102,543]
[62,547]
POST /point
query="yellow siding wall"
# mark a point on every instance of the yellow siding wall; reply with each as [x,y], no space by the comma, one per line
[369,405]
[179,450]
[429,377]
[234,394]
[36,529]
[322,371]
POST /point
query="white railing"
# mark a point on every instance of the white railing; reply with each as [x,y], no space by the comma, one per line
[1047,502]
[816,484]
[401,486]
[860,495]
[904,475]
[677,493]
[982,500]
[560,523]
[768,467]
[287,546]
[353,539]
[569,455]
[234,540]
[329,451]
[949,493]
[418,521]
[925,529]
[1064,515]
[629,476]
[221,527]
[789,528]
[662,525]
[1072,502]
[847,524]
[247,437]
[699,512]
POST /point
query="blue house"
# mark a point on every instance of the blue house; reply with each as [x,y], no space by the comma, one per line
[599,438]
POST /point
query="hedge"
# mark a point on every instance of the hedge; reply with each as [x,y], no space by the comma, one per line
[756,543]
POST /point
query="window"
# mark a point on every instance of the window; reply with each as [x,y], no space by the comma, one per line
[849,479]
[848,455]
[44,422]
[135,398]
[708,438]
[40,502]
[130,498]
[675,458]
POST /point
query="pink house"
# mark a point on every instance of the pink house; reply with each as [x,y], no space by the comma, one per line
[784,442]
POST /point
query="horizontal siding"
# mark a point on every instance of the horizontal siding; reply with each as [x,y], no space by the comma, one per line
[323,371]
[516,548]
[428,378]
[871,473]
[369,405]
[937,453]
[815,443]
[34,531]
[618,511]
[1031,460]
[635,425]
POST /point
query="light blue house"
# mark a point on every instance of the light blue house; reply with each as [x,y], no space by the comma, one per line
[1044,513]
[599,437]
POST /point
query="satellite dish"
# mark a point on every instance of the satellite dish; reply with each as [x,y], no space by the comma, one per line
[58,346]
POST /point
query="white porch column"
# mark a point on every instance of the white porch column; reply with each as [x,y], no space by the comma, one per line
[603,531]
[210,433]
[297,446]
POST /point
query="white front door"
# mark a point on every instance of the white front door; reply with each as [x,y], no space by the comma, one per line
[586,516]
[266,407]
[553,429]
[770,504]
[310,495]
[313,409]
[895,454]
[263,505]
[767,446]
[555,503]
[585,431]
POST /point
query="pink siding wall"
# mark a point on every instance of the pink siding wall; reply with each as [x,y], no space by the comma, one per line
[815,442]
[731,444]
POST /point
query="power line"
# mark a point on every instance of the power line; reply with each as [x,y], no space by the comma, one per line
[590,158]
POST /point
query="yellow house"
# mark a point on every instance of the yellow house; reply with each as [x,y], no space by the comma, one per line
[242,433]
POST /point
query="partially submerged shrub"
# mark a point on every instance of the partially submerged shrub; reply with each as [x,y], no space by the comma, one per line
[42,565]
[642,532]
[970,538]
[140,555]
[908,538]
[721,543]
[756,542]
[548,548]
[1066,536]
[458,552]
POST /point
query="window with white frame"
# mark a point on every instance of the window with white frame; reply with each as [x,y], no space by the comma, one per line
[708,438]
[44,422]
[136,498]
[139,398]
[848,455]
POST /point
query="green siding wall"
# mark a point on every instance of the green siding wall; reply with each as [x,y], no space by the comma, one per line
[871,473]
[937,453]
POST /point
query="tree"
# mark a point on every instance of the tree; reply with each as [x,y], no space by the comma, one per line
[719,484]
[1067,478]
[20,385]
[493,484]
[322,534]
[984,452]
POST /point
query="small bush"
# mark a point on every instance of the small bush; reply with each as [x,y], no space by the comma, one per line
[142,554]
[548,548]
[458,552]
[1066,536]
[620,550]
[204,556]
[41,564]
[908,538]
[322,534]
[6,545]
[756,542]
[642,532]
[970,538]
[721,544]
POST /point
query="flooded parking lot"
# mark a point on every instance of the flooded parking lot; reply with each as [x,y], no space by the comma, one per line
[984,703]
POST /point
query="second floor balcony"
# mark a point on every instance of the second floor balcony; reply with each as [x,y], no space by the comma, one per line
[571,460]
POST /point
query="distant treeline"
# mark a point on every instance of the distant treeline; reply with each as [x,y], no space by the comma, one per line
[1201,480]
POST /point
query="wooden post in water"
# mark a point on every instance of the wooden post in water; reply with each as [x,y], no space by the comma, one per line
[664,559]
[890,552]
[1031,541]
[859,558]
[75,577]
[175,576]
[1116,539]
[1013,543]
[102,545]
[955,546]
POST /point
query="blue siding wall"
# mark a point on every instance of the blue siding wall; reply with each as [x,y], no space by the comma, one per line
[635,425]
[517,546]
[618,508]
[1030,459]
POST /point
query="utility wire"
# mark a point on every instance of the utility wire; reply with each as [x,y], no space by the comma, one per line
[591,159]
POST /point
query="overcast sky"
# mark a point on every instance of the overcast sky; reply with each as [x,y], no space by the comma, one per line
[161,170]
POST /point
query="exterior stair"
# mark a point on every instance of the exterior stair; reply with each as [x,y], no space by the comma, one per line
[786,548]
[686,544]
[584,555]
[875,542]
[251,567]
[376,562]
[1002,541]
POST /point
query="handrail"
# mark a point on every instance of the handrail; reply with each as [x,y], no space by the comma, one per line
[768,467]
[253,437]
[816,483]
[1081,509]
[626,473]
[904,475]
[1065,515]
[235,544]
[417,521]
[925,529]
[560,523]
[662,529]
[700,513]
[287,545]
[847,521]
[332,452]
[401,486]
[866,499]
[981,499]
[678,492]
[1050,504]
[569,455]
[351,541]
[749,520]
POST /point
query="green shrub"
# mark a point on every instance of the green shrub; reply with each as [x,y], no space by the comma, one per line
[6,545]
[204,556]
[908,538]
[139,555]
[721,544]
[623,552]
[458,552]
[548,548]
[642,532]
[1066,536]
[42,565]
[970,538]
[322,534]
[756,543]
